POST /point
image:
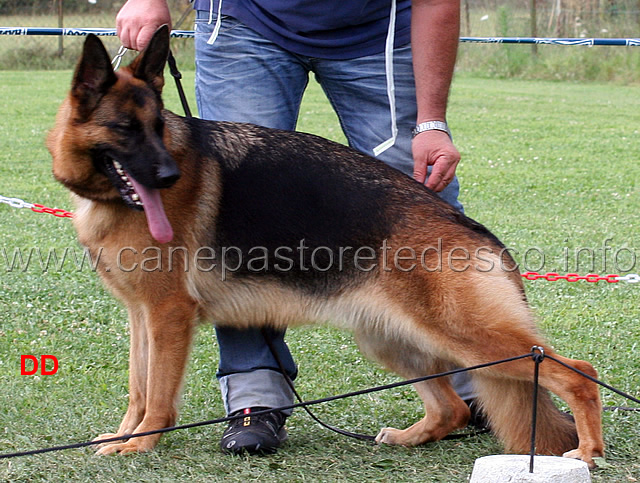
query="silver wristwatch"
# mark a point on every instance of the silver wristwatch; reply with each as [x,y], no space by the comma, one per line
[431,126]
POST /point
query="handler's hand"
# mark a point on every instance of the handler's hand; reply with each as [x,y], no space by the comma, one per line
[138,20]
[434,148]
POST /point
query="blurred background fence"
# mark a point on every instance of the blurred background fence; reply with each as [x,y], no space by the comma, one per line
[480,18]
[57,52]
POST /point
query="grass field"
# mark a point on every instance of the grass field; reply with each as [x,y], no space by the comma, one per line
[551,168]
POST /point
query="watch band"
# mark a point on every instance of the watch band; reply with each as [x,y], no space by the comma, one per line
[431,126]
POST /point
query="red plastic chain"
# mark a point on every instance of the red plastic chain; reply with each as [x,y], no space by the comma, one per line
[572,277]
[59,212]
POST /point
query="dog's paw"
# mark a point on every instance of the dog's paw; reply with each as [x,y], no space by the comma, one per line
[135,445]
[124,446]
[586,456]
[389,436]
[107,436]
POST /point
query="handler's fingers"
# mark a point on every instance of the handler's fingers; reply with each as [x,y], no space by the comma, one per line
[124,30]
[137,21]
[434,148]
[143,37]
[420,172]
[441,175]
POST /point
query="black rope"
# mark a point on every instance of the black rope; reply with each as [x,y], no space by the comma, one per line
[593,379]
[265,411]
[287,378]
[343,432]
[173,68]
[304,404]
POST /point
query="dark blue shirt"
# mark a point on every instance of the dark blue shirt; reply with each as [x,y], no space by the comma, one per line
[329,29]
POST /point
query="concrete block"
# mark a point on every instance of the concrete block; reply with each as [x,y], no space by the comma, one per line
[515,469]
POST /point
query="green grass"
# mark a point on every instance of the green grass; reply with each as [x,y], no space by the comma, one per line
[550,166]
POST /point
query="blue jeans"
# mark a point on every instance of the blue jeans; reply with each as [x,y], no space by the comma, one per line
[244,77]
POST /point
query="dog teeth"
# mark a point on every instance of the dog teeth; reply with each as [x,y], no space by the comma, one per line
[121,172]
[135,197]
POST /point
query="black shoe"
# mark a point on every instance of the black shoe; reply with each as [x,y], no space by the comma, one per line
[261,434]
[478,419]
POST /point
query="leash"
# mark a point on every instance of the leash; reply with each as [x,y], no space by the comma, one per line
[343,432]
[257,413]
[314,402]
[177,76]
[173,67]
[171,61]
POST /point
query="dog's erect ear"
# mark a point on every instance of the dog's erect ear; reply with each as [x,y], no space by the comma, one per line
[149,65]
[93,76]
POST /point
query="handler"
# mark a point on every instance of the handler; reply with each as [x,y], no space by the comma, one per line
[253,59]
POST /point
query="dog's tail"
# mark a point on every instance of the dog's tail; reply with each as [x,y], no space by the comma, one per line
[508,405]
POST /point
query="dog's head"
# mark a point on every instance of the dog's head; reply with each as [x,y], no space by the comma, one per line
[108,141]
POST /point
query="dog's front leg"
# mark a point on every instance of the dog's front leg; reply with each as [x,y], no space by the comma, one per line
[169,327]
[138,365]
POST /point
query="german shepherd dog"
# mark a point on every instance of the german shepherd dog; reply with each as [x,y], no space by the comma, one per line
[254,227]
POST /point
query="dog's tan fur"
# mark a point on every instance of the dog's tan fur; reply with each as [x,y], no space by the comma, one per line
[413,321]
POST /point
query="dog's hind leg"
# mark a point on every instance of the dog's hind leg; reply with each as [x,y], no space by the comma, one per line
[506,394]
[444,410]
[500,327]
[583,398]
[169,327]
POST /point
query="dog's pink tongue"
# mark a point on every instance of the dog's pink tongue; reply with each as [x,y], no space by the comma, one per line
[157,220]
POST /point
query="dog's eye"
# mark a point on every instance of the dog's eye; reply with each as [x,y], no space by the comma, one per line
[119,126]
[122,126]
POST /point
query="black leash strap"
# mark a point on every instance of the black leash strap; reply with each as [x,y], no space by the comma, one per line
[343,432]
[310,403]
[360,392]
[173,68]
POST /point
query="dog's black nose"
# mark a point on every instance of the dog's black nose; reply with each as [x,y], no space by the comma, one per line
[167,174]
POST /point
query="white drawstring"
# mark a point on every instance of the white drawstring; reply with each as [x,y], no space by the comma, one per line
[216,28]
[391,90]
[115,63]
